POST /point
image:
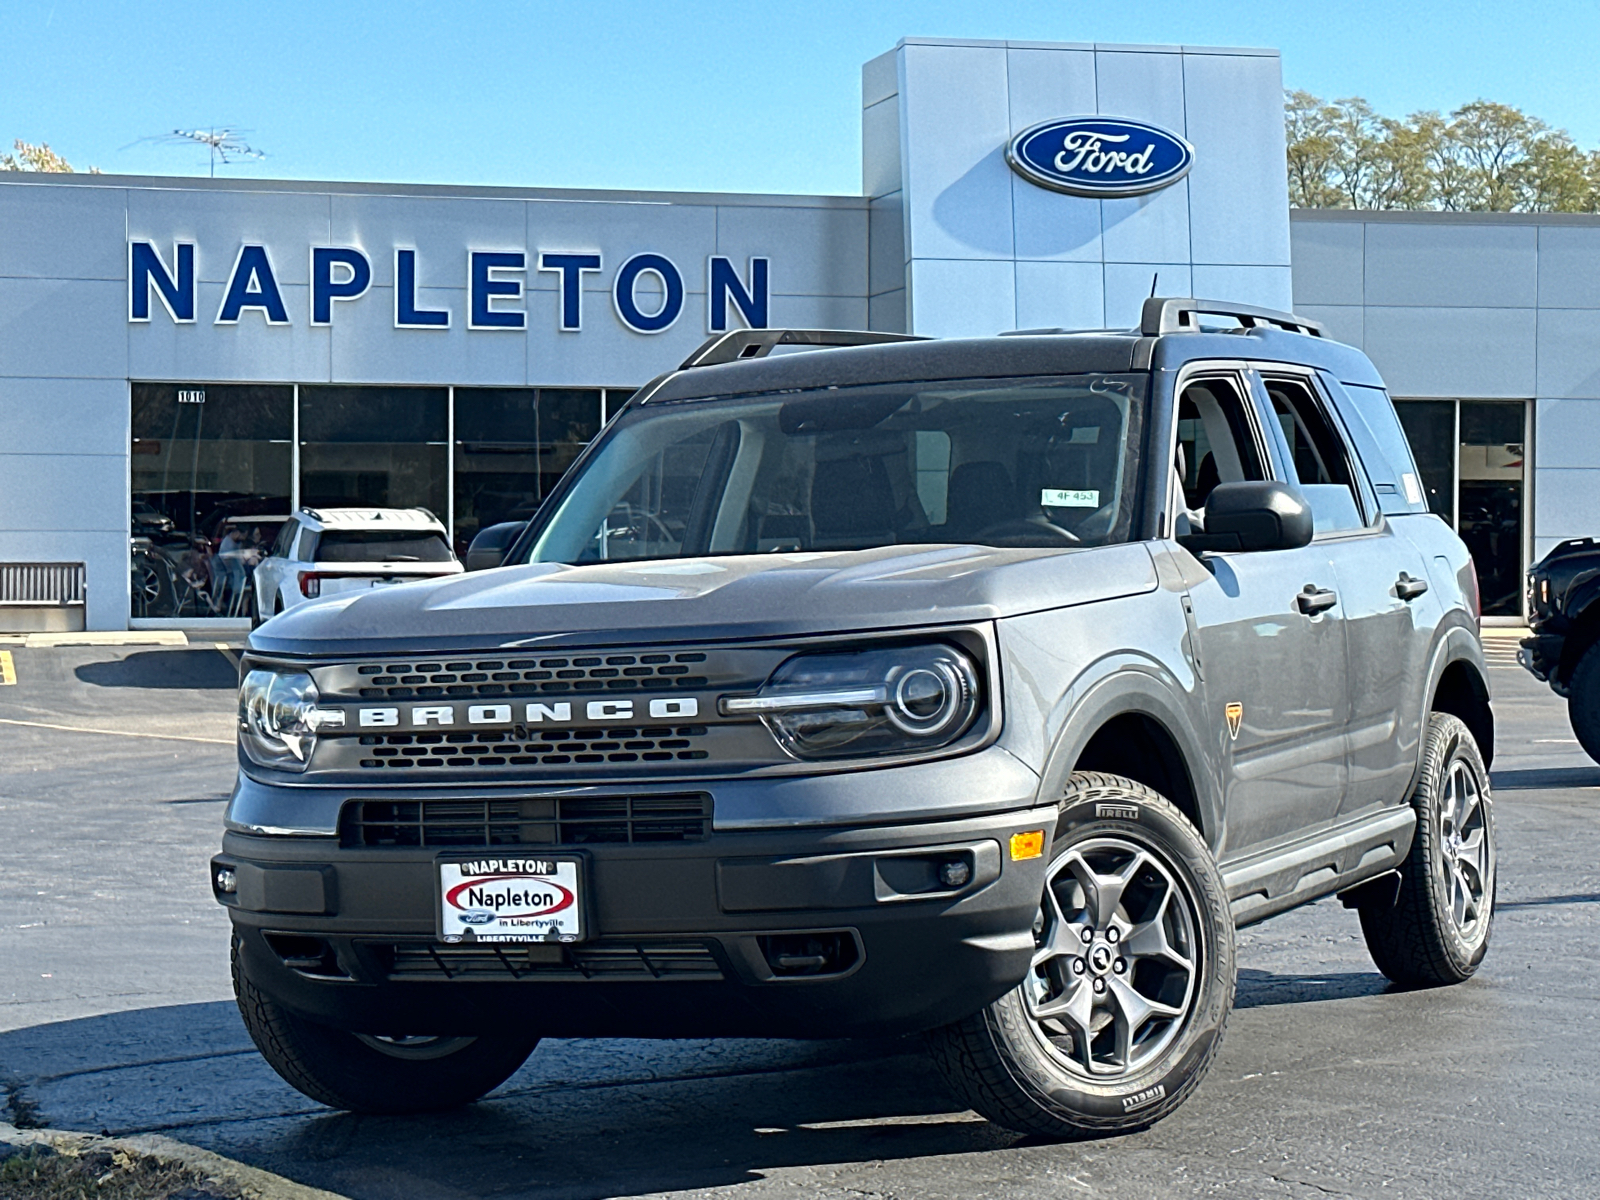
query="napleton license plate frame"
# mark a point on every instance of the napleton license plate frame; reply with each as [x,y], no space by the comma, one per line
[567,871]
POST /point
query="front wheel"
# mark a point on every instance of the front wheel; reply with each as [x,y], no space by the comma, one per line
[369,1073]
[1583,702]
[1131,983]
[1434,928]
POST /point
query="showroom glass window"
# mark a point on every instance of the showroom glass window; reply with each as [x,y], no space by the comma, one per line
[1473,465]
[512,445]
[379,447]
[206,460]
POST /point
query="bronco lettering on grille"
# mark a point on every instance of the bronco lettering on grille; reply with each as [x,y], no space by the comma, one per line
[534,713]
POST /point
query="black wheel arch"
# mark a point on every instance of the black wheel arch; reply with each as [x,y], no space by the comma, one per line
[1130,724]
[1458,684]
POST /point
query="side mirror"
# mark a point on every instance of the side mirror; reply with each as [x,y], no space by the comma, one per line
[489,548]
[1254,515]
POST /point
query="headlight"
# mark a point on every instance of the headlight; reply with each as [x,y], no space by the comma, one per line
[279,718]
[896,700]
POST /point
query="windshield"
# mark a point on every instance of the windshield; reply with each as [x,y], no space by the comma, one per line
[382,545]
[1045,462]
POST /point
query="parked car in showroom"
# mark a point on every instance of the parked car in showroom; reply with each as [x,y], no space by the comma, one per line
[975,688]
[335,551]
[1563,648]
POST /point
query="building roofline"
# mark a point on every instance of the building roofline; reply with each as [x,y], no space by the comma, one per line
[188,183]
[1412,216]
[1099,47]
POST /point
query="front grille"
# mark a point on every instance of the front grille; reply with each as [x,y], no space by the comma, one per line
[541,821]
[552,747]
[606,959]
[413,680]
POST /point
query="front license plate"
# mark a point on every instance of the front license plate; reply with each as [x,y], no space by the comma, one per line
[511,900]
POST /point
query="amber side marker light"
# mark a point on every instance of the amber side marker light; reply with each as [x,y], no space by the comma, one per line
[1027,845]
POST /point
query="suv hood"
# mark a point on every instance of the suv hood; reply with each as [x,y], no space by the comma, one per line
[708,599]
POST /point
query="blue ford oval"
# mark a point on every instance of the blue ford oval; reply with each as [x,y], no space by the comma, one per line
[1100,156]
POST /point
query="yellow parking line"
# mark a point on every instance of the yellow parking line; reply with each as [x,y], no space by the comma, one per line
[8,669]
[227,653]
[126,733]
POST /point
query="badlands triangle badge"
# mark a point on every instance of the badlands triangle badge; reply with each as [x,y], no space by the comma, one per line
[1235,714]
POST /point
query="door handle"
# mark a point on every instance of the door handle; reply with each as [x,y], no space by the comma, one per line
[1408,587]
[1314,599]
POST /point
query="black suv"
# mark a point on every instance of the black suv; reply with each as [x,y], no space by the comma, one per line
[883,685]
[1564,620]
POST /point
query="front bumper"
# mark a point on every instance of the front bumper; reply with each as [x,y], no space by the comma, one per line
[689,939]
[1540,656]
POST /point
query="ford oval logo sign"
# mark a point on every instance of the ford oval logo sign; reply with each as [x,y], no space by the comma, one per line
[1100,156]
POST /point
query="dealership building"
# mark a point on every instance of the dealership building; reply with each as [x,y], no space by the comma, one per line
[181,356]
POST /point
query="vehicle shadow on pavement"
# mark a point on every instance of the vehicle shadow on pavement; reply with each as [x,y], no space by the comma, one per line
[1260,988]
[188,669]
[582,1118]
[1534,778]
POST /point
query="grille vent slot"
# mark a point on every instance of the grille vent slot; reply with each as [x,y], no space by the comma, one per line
[605,959]
[545,821]
[552,747]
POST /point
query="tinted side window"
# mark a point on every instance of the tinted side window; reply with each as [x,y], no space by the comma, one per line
[1319,456]
[1395,466]
[285,538]
[1215,440]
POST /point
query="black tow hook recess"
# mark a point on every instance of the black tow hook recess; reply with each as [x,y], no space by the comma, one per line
[305,954]
[794,955]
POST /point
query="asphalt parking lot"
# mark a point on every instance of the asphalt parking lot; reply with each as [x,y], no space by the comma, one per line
[116,1014]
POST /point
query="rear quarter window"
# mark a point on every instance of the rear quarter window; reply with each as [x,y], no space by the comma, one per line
[381,545]
[1381,444]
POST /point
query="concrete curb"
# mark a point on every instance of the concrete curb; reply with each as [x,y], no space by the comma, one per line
[136,637]
[252,1181]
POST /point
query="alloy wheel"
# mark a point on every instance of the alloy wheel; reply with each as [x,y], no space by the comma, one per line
[1118,952]
[415,1046]
[1466,849]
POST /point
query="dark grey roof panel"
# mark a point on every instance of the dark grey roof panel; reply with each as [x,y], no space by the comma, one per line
[1269,345]
[974,358]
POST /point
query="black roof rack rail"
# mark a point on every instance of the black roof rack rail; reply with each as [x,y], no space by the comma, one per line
[758,343]
[1163,314]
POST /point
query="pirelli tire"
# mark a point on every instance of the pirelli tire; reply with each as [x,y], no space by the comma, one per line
[1583,701]
[1131,985]
[1432,928]
[372,1074]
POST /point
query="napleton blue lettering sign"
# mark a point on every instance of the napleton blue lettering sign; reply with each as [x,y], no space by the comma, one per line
[1099,156]
[496,298]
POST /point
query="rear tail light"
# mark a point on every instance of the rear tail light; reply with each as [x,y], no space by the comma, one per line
[310,584]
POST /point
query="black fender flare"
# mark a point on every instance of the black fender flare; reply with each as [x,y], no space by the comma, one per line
[1457,642]
[1123,684]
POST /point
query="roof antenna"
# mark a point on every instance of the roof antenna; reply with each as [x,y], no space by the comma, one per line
[225,143]
[1153,278]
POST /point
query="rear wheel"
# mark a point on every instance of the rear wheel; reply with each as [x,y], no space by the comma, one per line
[1434,928]
[1132,979]
[1583,702]
[371,1073]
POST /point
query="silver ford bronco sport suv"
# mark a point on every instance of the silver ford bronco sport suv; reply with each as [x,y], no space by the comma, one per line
[975,688]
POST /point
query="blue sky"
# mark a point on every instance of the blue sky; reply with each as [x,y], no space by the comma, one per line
[677,94]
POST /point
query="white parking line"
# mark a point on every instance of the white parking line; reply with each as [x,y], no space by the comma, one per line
[128,733]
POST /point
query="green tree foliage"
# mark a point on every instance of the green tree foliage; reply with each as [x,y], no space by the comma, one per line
[1483,157]
[37,158]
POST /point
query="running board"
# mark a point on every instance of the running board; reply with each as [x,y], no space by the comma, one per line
[1276,880]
